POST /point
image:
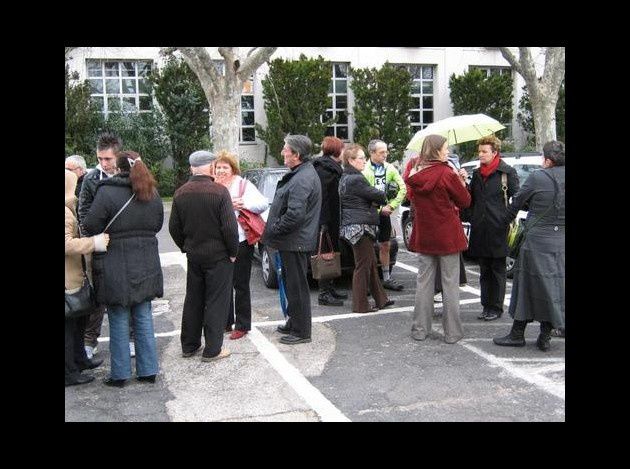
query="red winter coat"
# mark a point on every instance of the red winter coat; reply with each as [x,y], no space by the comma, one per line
[436,193]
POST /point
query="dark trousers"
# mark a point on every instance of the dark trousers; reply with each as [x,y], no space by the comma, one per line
[365,277]
[294,273]
[492,280]
[75,350]
[240,301]
[462,274]
[206,307]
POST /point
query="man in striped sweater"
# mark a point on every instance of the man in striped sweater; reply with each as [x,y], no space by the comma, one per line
[203,225]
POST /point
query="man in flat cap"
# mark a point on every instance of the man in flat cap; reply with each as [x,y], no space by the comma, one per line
[203,225]
[292,227]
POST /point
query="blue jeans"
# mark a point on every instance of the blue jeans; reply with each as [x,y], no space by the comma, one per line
[144,340]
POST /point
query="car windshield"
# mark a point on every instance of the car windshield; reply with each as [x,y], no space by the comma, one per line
[524,170]
[268,183]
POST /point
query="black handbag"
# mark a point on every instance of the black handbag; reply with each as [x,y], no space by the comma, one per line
[325,265]
[82,302]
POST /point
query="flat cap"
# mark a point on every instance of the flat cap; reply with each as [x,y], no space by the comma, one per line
[201,158]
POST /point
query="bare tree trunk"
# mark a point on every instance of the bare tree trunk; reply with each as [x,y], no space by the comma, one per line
[543,91]
[223,92]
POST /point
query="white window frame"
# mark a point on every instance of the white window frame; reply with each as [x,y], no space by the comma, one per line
[332,130]
[422,123]
[104,78]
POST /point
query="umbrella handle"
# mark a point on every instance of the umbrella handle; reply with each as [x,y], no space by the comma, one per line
[281,289]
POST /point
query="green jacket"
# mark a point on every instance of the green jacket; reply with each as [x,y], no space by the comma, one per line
[391,174]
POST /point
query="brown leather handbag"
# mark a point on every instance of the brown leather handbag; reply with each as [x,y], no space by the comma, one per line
[325,265]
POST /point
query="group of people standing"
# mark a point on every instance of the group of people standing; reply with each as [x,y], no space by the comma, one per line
[342,193]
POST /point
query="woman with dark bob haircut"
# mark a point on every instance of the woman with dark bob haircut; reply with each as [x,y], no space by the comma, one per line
[129,275]
[538,289]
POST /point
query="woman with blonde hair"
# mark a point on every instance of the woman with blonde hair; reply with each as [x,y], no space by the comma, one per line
[245,195]
[76,359]
[436,192]
[359,222]
[129,276]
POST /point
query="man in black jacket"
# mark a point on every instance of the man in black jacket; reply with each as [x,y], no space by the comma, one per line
[107,146]
[329,170]
[203,225]
[292,227]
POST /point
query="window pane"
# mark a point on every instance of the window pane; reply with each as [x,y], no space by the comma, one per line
[427,87]
[330,132]
[145,103]
[427,73]
[98,102]
[112,86]
[415,88]
[342,117]
[427,102]
[341,86]
[427,117]
[328,115]
[414,70]
[342,102]
[247,118]
[415,103]
[342,132]
[129,86]
[414,116]
[144,68]
[96,86]
[247,102]
[111,69]
[129,104]
[144,86]
[249,134]
[341,70]
[94,68]
[128,69]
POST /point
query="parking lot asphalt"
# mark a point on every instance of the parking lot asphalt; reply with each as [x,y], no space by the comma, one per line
[358,367]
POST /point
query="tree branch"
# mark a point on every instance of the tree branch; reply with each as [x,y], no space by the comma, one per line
[254,61]
[513,61]
[201,63]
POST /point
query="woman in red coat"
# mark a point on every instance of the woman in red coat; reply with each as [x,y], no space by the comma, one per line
[437,236]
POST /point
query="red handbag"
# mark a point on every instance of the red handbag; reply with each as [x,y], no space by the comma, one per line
[253,225]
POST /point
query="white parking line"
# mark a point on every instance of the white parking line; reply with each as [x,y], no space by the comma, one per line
[311,395]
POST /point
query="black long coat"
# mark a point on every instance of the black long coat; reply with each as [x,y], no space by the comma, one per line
[129,272]
[329,172]
[488,230]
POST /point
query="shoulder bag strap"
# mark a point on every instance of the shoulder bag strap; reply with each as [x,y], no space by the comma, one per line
[504,187]
[119,212]
[242,187]
[555,194]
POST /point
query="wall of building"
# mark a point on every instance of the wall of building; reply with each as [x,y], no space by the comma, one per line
[448,61]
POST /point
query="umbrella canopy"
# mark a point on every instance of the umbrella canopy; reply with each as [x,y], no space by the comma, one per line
[457,129]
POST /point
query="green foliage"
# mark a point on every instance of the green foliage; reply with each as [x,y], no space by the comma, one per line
[82,119]
[244,165]
[526,120]
[183,102]
[476,93]
[166,179]
[295,94]
[382,103]
[141,132]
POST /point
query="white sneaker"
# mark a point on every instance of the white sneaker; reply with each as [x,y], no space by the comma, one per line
[132,349]
[89,351]
[437,298]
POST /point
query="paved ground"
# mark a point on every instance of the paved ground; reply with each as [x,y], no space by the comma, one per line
[358,367]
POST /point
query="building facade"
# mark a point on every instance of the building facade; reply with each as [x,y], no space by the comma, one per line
[117,76]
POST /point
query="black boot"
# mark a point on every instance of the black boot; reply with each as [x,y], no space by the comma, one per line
[516,337]
[544,338]
[326,299]
[338,295]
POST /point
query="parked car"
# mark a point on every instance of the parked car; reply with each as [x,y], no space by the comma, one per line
[525,163]
[266,180]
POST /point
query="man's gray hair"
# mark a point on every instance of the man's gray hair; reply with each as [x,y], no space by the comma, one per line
[78,159]
[373,143]
[554,151]
[300,144]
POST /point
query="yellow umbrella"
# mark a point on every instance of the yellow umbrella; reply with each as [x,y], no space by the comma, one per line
[457,129]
